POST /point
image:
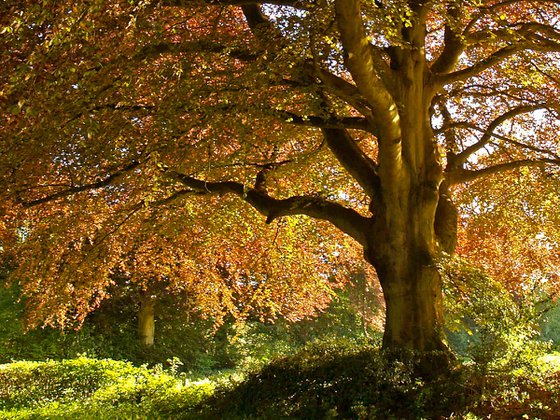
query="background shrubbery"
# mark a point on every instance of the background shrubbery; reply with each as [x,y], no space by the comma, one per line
[194,343]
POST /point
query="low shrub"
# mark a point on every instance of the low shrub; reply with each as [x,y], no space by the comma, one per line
[339,380]
[86,388]
[530,388]
[335,379]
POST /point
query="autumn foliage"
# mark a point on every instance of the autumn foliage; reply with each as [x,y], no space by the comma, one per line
[147,143]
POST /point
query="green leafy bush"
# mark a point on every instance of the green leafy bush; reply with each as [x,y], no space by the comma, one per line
[86,387]
[550,323]
[487,325]
[499,337]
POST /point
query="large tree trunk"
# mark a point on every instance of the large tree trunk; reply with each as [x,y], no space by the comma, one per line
[146,320]
[406,266]
[413,220]
[413,299]
[405,262]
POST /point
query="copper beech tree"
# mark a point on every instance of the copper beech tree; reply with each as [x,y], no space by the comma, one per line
[369,115]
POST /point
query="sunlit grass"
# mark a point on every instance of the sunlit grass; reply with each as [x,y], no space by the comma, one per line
[551,361]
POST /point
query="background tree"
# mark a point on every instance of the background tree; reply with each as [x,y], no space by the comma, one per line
[365,114]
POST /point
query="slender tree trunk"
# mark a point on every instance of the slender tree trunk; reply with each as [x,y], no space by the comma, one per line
[146,321]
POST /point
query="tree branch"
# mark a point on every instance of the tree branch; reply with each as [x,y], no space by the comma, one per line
[518,32]
[261,26]
[353,159]
[155,50]
[366,68]
[453,44]
[462,157]
[347,220]
[479,67]
[356,123]
[527,36]
[297,4]
[345,91]
[485,10]
[459,176]
[470,126]
[91,186]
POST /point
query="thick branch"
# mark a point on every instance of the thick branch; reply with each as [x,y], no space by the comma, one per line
[366,68]
[345,91]
[353,159]
[298,4]
[347,220]
[445,223]
[453,44]
[262,28]
[357,123]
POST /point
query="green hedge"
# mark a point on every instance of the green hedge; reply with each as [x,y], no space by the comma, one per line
[87,388]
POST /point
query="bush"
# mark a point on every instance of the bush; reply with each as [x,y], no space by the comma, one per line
[338,379]
[499,337]
[486,324]
[550,323]
[335,379]
[86,388]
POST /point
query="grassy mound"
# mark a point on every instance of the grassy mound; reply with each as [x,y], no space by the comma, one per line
[334,380]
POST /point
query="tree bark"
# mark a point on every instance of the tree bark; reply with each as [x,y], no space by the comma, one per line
[146,321]
[413,218]
[413,298]
[405,263]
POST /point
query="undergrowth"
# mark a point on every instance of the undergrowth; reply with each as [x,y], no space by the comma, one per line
[90,388]
[325,380]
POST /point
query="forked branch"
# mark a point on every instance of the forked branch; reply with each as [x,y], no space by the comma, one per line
[347,220]
[367,68]
[462,157]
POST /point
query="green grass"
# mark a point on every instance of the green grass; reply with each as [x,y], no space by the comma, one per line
[551,361]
